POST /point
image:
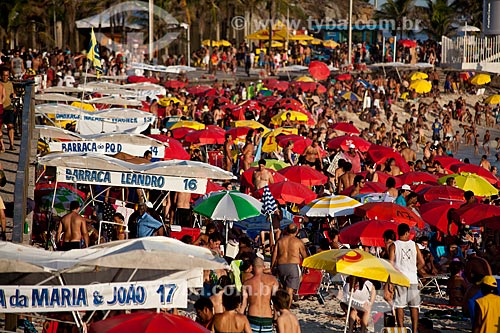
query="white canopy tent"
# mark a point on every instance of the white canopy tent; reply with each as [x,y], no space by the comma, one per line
[45,281]
[104,121]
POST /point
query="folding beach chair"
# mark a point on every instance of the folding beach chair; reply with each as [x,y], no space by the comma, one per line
[433,281]
[311,283]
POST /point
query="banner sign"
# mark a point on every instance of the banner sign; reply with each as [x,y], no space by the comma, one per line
[109,296]
[131,179]
[106,148]
[95,124]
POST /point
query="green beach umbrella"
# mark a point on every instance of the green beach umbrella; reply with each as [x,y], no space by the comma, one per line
[272,164]
[228,206]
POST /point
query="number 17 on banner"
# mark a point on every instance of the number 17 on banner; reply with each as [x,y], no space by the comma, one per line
[166,292]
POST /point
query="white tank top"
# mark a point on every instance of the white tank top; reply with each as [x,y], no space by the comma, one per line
[406,259]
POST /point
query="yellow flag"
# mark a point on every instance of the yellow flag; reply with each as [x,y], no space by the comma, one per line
[93,54]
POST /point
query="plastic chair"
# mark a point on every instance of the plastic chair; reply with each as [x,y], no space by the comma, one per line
[311,283]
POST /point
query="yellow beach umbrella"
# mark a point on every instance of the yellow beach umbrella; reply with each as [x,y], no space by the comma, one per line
[404,96]
[275,44]
[294,116]
[418,76]
[270,144]
[223,42]
[471,182]
[493,99]
[250,123]
[316,41]
[188,124]
[206,42]
[421,86]
[165,101]
[305,79]
[356,263]
[480,79]
[330,44]
[83,106]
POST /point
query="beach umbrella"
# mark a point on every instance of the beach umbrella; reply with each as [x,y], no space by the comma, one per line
[368,233]
[228,206]
[272,164]
[251,104]
[178,69]
[114,100]
[277,85]
[432,193]
[300,142]
[83,106]
[331,44]
[208,136]
[480,79]
[369,187]
[382,177]
[238,132]
[418,76]
[189,124]
[350,96]
[389,211]
[493,99]
[407,43]
[247,177]
[421,86]
[476,169]
[62,199]
[343,77]
[174,84]
[292,68]
[198,90]
[224,43]
[269,205]
[447,161]
[380,154]
[417,177]
[356,263]
[475,213]
[290,192]
[250,123]
[147,322]
[345,141]
[319,70]
[435,213]
[345,127]
[471,182]
[141,79]
[366,84]
[304,174]
[294,116]
[173,148]
[53,97]
[288,100]
[165,101]
[332,206]
[305,79]
[181,132]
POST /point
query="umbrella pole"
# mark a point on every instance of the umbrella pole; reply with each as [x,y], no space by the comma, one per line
[227,236]
[350,303]
[271,235]
[76,314]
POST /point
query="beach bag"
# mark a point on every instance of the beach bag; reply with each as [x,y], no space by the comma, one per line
[3,179]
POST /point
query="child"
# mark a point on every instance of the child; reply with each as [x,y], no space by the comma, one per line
[287,322]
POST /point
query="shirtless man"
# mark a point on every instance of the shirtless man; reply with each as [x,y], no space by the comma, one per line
[183,209]
[262,177]
[408,154]
[347,179]
[312,156]
[287,322]
[286,259]
[228,160]
[485,163]
[257,293]
[248,151]
[74,227]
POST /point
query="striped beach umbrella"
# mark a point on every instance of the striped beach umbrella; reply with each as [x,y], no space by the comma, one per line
[333,206]
[269,205]
[228,206]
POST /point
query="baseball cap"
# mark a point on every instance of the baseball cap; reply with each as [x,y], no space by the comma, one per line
[489,280]
[406,187]
[470,252]
[352,146]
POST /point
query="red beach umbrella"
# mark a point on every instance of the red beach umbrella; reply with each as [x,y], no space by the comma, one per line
[345,141]
[238,132]
[368,233]
[198,90]
[173,148]
[345,127]
[140,79]
[290,192]
[474,213]
[300,142]
[181,132]
[319,70]
[478,170]
[435,213]
[382,177]
[304,174]
[343,77]
[389,211]
[246,177]
[380,154]
[369,187]
[432,193]
[206,136]
[447,161]
[417,177]
[174,84]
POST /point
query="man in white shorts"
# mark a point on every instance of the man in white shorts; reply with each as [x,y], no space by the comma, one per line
[406,257]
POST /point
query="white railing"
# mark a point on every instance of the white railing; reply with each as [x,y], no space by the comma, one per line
[470,49]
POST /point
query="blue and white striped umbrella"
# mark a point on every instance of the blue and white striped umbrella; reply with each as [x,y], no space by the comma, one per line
[269,205]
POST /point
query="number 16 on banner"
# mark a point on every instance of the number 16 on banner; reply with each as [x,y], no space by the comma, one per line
[166,292]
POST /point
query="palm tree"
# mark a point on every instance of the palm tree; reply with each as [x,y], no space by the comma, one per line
[471,9]
[396,11]
[438,18]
